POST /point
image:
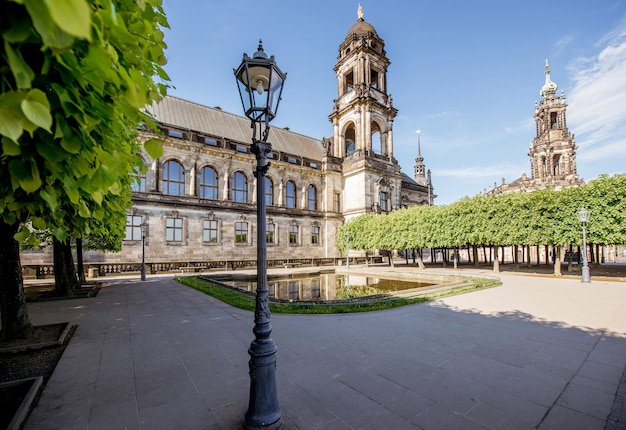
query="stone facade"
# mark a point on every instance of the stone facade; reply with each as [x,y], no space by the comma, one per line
[199,198]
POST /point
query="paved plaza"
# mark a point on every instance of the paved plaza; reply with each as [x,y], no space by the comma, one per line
[536,352]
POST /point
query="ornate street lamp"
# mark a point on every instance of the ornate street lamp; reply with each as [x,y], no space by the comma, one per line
[144,229]
[347,250]
[260,83]
[583,218]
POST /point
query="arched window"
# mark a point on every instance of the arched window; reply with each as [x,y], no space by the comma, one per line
[350,141]
[240,188]
[311,198]
[208,183]
[173,178]
[269,192]
[290,195]
[139,184]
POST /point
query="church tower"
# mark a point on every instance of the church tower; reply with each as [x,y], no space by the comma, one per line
[553,150]
[362,119]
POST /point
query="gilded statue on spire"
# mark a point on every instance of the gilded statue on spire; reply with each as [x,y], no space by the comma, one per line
[360,13]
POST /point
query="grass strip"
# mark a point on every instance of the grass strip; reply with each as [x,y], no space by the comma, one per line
[246,301]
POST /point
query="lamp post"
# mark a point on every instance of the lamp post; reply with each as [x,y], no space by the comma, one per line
[583,218]
[144,229]
[347,250]
[260,83]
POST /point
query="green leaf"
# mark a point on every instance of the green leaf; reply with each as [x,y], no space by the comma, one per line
[9,147]
[21,235]
[22,72]
[72,16]
[154,147]
[51,199]
[71,145]
[37,109]
[10,124]
[30,185]
[50,152]
[50,33]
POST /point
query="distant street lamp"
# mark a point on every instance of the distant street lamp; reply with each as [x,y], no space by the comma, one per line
[347,249]
[144,229]
[260,83]
[583,218]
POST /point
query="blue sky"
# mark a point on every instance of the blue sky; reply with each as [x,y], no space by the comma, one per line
[467,73]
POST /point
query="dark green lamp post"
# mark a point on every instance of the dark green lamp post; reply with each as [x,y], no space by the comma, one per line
[260,83]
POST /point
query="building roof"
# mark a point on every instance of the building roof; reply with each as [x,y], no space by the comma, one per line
[179,113]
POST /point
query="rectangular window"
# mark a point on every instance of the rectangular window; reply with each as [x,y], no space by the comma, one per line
[133,227]
[241,232]
[294,290]
[337,202]
[270,233]
[383,201]
[174,229]
[209,231]
[175,133]
[315,289]
[315,235]
[241,148]
[209,141]
[293,234]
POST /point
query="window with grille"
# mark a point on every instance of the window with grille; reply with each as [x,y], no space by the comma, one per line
[240,188]
[269,192]
[315,235]
[209,231]
[293,234]
[241,232]
[208,183]
[173,179]
[270,233]
[290,195]
[133,227]
[174,229]
[312,198]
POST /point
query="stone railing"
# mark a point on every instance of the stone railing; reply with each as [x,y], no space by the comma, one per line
[93,270]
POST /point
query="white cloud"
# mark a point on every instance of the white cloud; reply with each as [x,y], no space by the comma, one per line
[597,100]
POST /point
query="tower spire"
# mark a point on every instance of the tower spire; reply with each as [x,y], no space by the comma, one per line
[420,168]
[360,13]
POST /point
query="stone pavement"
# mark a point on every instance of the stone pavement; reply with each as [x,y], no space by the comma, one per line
[536,352]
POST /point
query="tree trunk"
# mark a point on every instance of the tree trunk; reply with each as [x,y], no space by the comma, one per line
[569,259]
[546,254]
[496,260]
[557,261]
[63,285]
[420,260]
[527,255]
[81,266]
[475,252]
[13,310]
[538,256]
[444,257]
[456,258]
[413,254]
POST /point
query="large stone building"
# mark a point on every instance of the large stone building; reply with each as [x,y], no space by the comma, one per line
[552,151]
[198,198]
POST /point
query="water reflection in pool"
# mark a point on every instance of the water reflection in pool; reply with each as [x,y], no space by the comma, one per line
[330,286]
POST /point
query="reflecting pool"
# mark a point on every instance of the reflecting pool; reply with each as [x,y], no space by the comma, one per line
[328,286]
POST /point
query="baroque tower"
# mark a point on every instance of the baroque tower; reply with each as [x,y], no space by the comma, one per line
[362,119]
[553,150]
